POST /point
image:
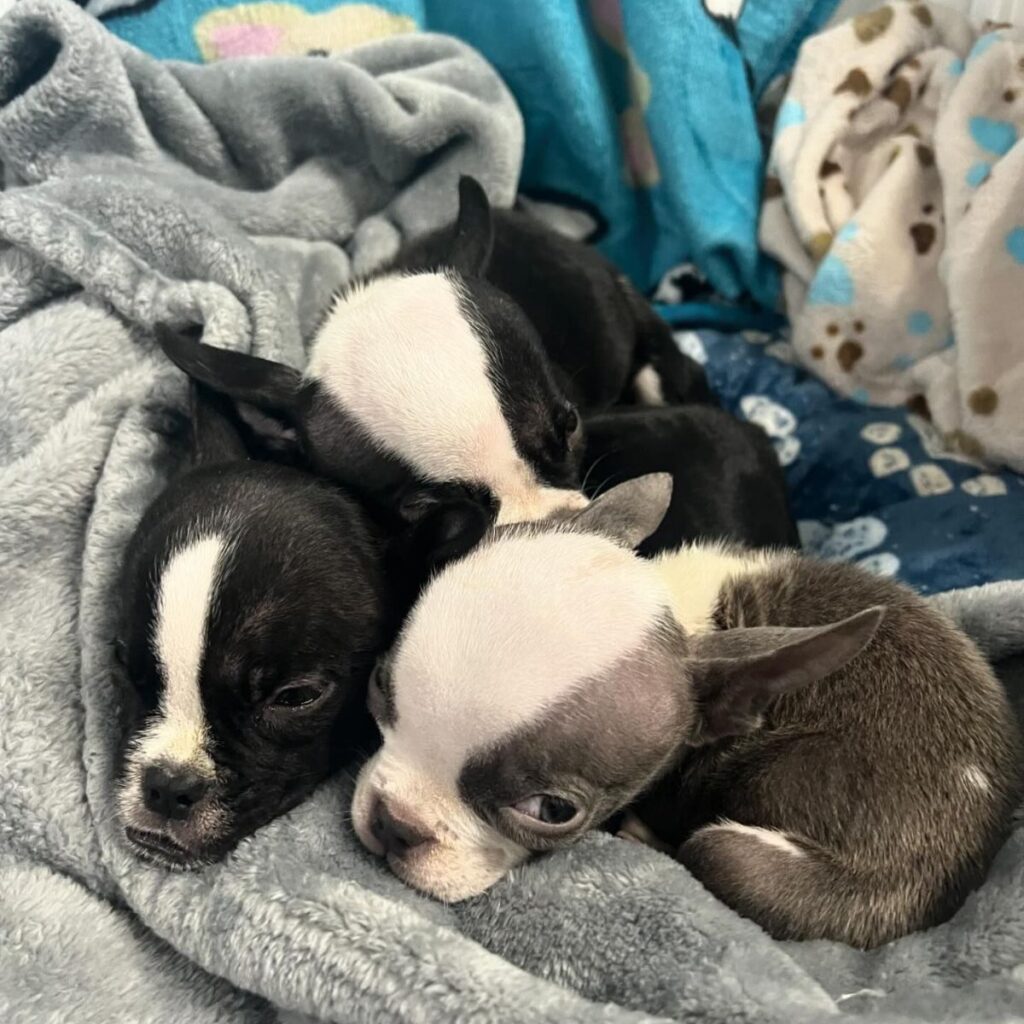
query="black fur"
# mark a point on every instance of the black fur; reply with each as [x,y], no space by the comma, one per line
[596,328]
[729,485]
[301,596]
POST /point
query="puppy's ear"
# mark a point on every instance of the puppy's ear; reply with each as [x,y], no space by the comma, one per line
[215,437]
[630,512]
[264,393]
[446,521]
[738,672]
[474,230]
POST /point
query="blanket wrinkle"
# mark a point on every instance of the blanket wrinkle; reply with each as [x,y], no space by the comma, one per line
[893,203]
[132,212]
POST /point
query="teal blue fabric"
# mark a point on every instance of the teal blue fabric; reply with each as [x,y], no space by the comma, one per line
[573,85]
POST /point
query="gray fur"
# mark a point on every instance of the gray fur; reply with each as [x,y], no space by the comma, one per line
[630,512]
[863,770]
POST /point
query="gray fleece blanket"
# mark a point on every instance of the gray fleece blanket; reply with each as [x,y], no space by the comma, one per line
[243,193]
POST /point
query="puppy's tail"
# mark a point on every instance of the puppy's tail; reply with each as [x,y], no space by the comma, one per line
[795,889]
[661,374]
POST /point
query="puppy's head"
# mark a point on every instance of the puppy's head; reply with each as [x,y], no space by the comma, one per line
[253,607]
[425,375]
[542,683]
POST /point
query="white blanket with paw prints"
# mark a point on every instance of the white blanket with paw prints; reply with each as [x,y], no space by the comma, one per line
[895,202]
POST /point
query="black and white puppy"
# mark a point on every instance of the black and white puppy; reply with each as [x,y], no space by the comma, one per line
[604,340]
[729,484]
[253,606]
[419,378]
[825,751]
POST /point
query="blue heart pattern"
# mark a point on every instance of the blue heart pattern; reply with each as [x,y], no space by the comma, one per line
[1015,244]
[832,285]
[995,136]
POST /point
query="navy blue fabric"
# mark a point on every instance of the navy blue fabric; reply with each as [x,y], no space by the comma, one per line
[933,541]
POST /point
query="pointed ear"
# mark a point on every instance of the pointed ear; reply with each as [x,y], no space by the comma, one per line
[264,393]
[630,512]
[738,672]
[474,230]
[215,437]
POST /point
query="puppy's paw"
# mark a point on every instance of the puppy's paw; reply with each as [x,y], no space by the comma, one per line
[633,830]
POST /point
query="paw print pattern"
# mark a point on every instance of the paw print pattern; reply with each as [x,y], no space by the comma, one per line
[777,422]
[690,345]
[985,485]
[846,542]
[844,342]
[929,479]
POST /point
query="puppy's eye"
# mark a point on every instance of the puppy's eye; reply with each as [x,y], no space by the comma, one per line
[299,696]
[571,421]
[548,809]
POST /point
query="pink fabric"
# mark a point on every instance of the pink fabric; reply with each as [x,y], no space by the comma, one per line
[246,40]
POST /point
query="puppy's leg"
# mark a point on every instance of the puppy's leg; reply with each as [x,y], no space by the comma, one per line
[634,830]
[793,888]
[662,374]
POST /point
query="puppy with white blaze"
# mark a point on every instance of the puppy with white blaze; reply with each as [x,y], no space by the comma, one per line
[424,385]
[253,607]
[827,753]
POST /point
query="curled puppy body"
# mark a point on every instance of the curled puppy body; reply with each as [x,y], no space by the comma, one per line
[607,344]
[253,604]
[730,484]
[421,382]
[825,751]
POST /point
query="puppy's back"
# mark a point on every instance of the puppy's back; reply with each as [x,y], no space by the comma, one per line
[875,798]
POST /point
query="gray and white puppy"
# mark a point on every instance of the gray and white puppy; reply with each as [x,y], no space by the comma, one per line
[827,753]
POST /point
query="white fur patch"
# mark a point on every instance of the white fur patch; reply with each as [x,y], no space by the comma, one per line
[647,384]
[178,735]
[696,573]
[509,630]
[772,837]
[976,778]
[399,355]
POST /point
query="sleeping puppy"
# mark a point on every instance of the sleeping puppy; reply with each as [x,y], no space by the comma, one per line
[253,607]
[827,753]
[731,486]
[423,385]
[604,340]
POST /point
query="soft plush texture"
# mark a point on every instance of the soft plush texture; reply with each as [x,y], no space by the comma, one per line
[132,212]
[893,200]
[641,113]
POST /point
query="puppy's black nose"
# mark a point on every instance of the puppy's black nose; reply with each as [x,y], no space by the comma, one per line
[172,794]
[396,836]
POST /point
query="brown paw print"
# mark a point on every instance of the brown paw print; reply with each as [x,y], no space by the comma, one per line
[900,92]
[924,233]
[856,82]
[849,351]
[983,401]
[923,14]
[868,27]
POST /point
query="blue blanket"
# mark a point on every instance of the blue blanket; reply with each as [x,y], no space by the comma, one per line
[870,484]
[640,111]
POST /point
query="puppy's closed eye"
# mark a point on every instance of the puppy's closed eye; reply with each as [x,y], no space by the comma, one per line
[299,695]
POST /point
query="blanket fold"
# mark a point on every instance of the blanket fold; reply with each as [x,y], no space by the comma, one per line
[893,201]
[208,193]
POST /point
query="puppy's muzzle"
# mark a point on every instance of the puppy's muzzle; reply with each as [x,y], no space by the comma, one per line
[397,834]
[172,793]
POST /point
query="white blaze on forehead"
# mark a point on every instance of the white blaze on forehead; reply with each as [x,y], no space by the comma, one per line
[501,635]
[399,355]
[186,593]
